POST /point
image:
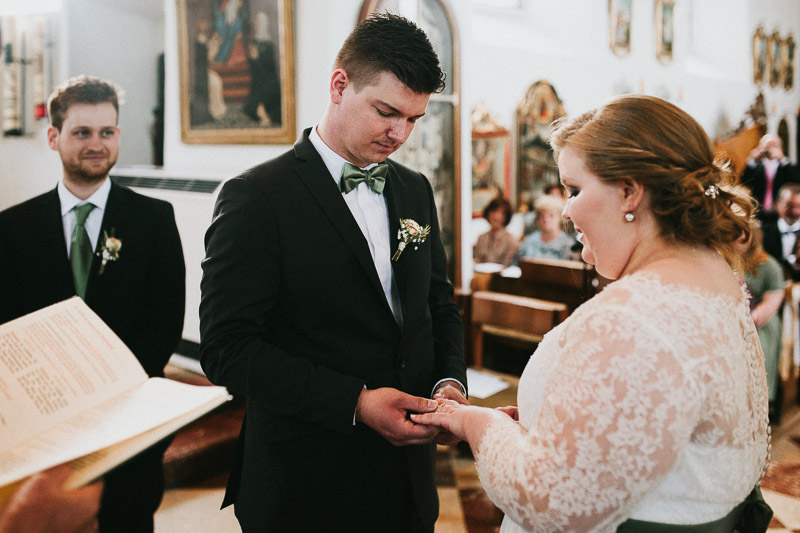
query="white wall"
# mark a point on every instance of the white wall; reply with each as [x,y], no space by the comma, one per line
[115,41]
[502,53]
[107,38]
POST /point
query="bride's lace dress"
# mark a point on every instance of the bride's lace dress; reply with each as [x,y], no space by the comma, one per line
[648,402]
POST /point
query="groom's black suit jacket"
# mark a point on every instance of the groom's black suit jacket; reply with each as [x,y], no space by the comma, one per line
[141,296]
[293,316]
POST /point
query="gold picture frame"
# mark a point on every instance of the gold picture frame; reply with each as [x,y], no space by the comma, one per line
[787,62]
[619,22]
[236,69]
[665,29]
[774,59]
[759,55]
[491,168]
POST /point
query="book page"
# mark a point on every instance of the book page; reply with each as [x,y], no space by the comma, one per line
[56,363]
[157,403]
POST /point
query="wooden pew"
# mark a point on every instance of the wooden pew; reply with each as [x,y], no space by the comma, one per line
[515,316]
[557,280]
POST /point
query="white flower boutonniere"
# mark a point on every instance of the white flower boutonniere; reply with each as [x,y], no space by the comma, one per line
[109,251]
[410,232]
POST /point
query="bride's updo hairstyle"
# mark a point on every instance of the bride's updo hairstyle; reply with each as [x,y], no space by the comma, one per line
[692,191]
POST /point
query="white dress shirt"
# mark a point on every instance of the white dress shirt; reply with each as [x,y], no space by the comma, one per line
[788,238]
[95,219]
[369,210]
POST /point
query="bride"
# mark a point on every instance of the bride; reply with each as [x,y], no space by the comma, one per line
[649,403]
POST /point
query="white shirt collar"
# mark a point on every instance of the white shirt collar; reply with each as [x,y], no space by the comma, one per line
[783,227]
[68,200]
[333,161]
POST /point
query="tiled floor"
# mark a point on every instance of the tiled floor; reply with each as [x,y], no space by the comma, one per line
[464,506]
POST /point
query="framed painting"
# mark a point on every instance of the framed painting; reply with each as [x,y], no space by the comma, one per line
[236,68]
[536,167]
[665,20]
[433,148]
[787,63]
[619,18]
[774,59]
[491,176]
[759,56]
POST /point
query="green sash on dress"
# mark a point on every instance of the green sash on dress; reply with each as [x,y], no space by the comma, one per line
[751,516]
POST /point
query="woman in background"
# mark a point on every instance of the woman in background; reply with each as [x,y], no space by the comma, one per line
[548,241]
[647,407]
[496,245]
[764,278]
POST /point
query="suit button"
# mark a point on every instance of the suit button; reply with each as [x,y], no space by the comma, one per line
[401,363]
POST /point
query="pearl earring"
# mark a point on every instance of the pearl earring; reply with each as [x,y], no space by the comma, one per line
[630,217]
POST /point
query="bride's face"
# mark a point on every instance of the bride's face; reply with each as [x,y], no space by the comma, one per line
[596,209]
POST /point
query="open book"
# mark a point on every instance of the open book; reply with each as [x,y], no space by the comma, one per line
[70,390]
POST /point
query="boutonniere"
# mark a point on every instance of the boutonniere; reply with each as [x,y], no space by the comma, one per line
[109,251]
[410,232]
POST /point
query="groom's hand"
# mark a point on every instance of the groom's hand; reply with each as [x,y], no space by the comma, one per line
[385,410]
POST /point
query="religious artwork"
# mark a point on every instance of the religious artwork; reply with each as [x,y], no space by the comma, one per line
[433,146]
[491,176]
[759,56]
[26,71]
[787,63]
[236,71]
[665,17]
[774,59]
[619,17]
[536,168]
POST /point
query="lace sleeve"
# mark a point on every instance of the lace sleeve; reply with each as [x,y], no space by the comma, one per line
[616,411]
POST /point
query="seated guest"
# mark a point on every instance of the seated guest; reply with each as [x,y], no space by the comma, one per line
[780,236]
[548,241]
[634,409]
[496,245]
[555,190]
[764,278]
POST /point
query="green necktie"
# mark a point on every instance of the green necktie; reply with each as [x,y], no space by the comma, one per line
[80,256]
[375,177]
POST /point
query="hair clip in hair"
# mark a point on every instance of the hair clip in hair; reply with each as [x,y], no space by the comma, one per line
[712,191]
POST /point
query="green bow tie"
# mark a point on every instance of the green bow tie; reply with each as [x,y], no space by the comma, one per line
[375,177]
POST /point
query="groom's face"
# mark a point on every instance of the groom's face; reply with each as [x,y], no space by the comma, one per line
[375,120]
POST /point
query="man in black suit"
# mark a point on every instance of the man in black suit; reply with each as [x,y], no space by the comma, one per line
[333,330]
[767,170]
[120,251]
[780,235]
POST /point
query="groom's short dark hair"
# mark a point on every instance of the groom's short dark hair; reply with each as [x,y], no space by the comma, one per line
[391,43]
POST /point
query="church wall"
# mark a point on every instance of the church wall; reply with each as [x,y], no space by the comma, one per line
[502,52]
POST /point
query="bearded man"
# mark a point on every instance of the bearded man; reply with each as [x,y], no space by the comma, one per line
[118,250]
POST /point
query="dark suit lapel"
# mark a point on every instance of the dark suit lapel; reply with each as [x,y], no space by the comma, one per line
[394,207]
[56,246]
[320,184]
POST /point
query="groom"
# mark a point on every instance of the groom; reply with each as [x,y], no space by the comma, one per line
[309,311]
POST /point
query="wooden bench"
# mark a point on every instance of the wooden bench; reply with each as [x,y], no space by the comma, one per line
[557,280]
[519,317]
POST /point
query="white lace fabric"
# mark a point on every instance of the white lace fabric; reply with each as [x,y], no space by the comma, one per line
[648,402]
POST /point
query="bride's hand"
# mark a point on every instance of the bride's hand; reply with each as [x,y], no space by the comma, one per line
[467,422]
[447,416]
